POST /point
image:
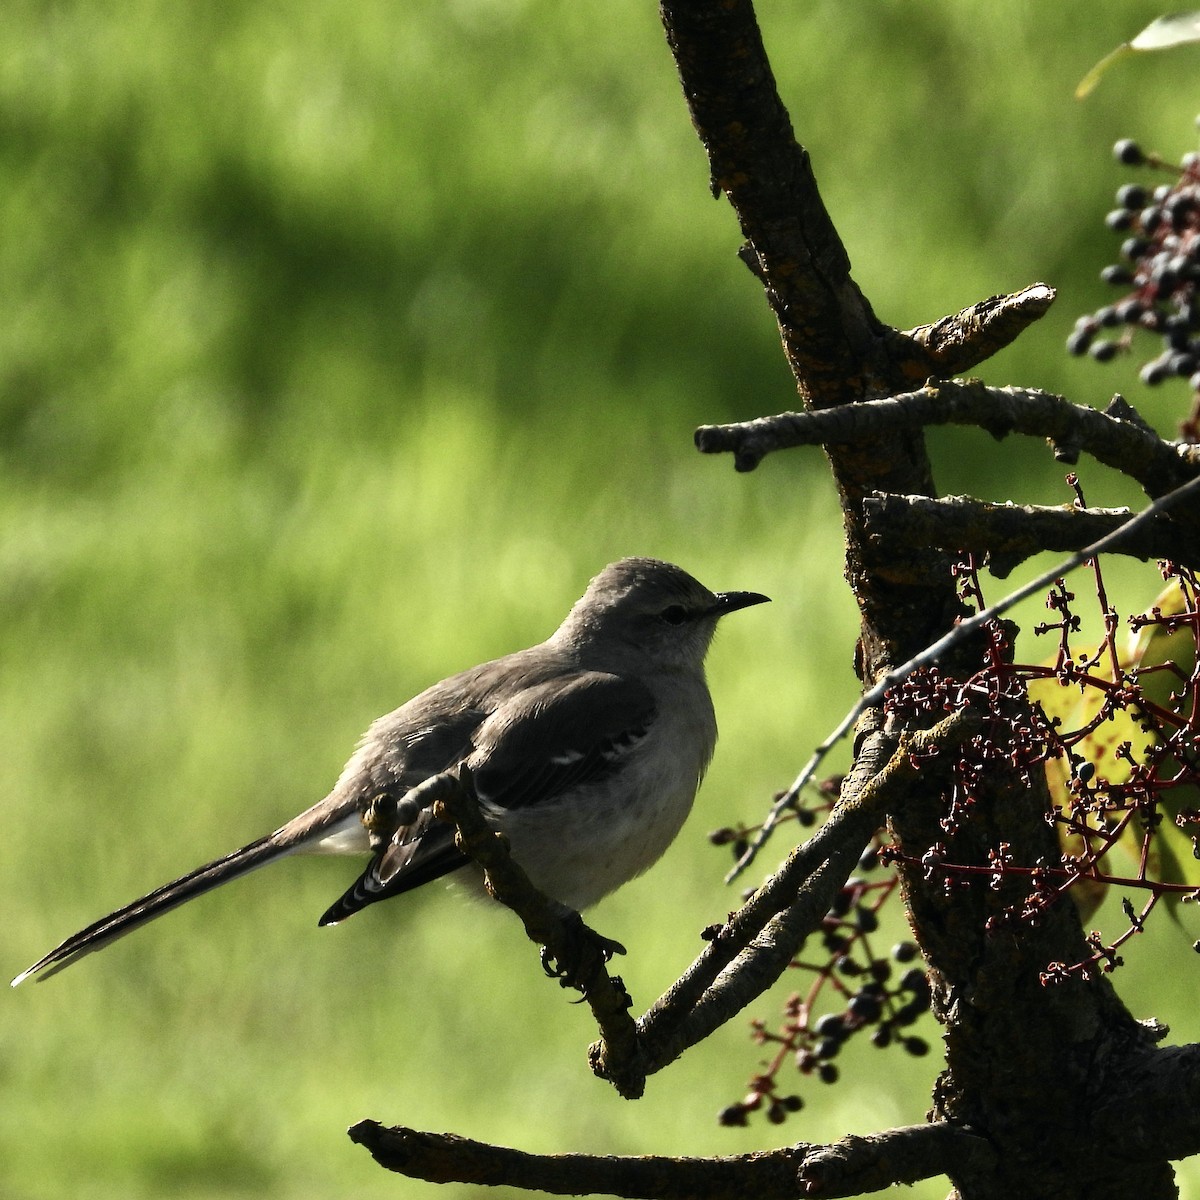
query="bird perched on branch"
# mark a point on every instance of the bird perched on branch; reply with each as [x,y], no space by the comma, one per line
[585,751]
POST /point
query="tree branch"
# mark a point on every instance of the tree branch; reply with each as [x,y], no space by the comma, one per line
[1154,1113]
[847,1168]
[1117,438]
[960,342]
[749,953]
[579,954]
[1010,533]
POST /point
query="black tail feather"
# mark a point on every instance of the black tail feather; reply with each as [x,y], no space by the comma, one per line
[157,902]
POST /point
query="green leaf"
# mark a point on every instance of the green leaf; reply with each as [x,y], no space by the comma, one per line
[1170,856]
[1175,29]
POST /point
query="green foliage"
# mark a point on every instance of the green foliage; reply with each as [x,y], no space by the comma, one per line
[341,345]
[1165,33]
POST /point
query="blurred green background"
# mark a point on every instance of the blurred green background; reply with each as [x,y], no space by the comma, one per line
[341,345]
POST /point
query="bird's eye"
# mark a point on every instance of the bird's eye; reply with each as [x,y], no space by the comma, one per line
[676,614]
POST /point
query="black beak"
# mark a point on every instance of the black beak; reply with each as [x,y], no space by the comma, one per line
[728,602]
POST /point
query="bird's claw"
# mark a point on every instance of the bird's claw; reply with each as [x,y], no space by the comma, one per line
[580,955]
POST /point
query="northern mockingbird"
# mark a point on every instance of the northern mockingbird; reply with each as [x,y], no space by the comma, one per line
[585,751]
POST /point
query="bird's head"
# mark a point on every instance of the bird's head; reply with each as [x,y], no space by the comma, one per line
[649,609]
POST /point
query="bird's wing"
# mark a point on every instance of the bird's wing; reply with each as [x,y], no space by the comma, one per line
[545,741]
[560,735]
[417,854]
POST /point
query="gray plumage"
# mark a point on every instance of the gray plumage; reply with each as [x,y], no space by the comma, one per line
[585,750]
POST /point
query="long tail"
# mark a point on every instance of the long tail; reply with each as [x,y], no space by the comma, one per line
[161,900]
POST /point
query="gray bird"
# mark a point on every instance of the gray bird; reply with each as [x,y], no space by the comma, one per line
[585,751]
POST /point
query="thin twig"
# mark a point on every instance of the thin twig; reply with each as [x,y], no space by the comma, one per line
[931,654]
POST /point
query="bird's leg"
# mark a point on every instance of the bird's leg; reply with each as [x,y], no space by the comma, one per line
[578,953]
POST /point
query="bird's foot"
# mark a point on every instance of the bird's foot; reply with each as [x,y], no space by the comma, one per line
[579,954]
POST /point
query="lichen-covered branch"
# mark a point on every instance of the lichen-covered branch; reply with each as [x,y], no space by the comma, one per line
[958,343]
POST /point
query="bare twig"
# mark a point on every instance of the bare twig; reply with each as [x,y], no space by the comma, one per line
[1115,440]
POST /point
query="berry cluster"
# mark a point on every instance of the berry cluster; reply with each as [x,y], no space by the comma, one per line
[867,994]
[1158,273]
[1112,729]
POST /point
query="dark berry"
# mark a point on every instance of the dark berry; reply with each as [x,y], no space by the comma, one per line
[1153,372]
[1131,196]
[1117,275]
[882,1037]
[828,1073]
[828,1048]
[1079,340]
[830,1025]
[1129,311]
[1178,208]
[865,1008]
[917,1047]
[865,919]
[1134,247]
[792,1103]
[906,1014]
[1103,351]
[1118,219]
[731,1116]
[1128,153]
[904,952]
